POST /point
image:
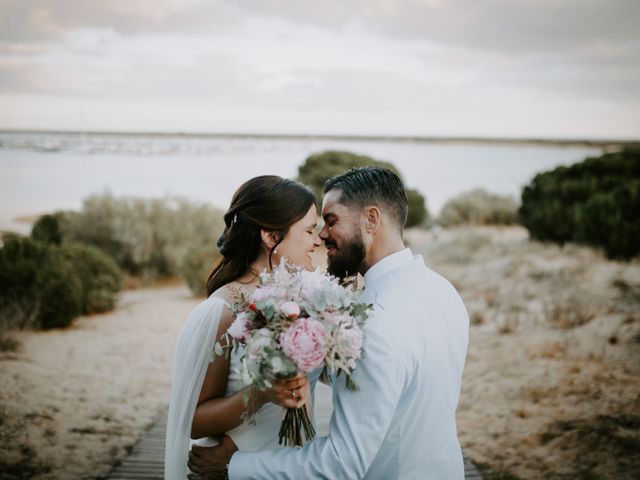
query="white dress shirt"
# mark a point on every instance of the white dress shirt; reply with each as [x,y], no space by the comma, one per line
[401,423]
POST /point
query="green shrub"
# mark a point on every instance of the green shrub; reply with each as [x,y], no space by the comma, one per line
[318,168]
[479,207]
[99,275]
[594,202]
[146,237]
[197,264]
[47,229]
[38,287]
[417,214]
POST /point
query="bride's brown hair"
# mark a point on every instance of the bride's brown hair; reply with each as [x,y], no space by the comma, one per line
[268,203]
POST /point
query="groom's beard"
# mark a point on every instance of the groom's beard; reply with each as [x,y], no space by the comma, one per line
[348,258]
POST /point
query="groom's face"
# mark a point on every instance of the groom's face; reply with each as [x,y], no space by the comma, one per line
[342,236]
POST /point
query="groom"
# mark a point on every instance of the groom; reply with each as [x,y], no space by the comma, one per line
[401,423]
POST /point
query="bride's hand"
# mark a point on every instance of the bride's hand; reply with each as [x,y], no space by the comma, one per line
[288,392]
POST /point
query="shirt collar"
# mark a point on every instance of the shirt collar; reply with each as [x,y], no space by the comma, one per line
[388,263]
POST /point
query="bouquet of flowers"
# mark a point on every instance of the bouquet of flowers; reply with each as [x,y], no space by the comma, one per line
[294,322]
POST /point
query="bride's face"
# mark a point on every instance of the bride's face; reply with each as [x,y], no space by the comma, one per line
[301,241]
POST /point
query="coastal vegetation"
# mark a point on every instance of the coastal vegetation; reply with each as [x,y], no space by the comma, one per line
[74,262]
[196,266]
[319,167]
[594,202]
[147,237]
[48,286]
[479,207]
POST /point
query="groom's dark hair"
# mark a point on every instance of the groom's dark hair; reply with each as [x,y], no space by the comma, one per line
[372,186]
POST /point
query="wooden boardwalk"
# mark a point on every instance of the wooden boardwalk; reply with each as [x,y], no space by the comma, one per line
[146,460]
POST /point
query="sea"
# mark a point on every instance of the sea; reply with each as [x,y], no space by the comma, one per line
[43,172]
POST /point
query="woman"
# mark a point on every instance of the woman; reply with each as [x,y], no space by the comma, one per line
[270,218]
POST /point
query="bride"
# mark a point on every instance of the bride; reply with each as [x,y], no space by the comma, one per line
[269,218]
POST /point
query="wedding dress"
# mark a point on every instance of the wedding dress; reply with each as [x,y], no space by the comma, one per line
[194,352]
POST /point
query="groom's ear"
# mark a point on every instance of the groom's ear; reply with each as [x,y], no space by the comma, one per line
[269,238]
[373,217]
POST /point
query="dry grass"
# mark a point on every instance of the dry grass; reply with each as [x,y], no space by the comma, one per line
[8,343]
[552,350]
[552,381]
[568,309]
[601,446]
[20,460]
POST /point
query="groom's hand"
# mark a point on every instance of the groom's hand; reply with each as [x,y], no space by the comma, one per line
[210,463]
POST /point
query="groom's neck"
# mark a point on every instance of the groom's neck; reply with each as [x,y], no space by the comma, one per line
[381,247]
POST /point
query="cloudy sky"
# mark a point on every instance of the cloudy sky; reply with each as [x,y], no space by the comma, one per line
[505,68]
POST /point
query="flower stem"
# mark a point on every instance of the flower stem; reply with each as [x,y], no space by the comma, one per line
[295,422]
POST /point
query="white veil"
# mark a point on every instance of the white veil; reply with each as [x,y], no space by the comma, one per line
[194,352]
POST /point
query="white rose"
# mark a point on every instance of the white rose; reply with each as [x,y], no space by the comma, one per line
[290,309]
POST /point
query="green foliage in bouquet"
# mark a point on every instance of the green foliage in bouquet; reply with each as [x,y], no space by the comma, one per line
[479,207]
[318,168]
[38,288]
[594,202]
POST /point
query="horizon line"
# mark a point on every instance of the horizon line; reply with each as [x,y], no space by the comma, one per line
[596,142]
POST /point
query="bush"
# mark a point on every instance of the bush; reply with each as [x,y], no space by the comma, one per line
[594,202]
[47,229]
[417,214]
[38,288]
[99,275]
[318,168]
[146,237]
[479,207]
[198,262]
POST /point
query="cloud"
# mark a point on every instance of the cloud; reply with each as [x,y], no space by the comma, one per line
[478,58]
[581,47]
[41,20]
[496,25]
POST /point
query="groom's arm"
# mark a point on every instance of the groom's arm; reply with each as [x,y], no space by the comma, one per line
[359,424]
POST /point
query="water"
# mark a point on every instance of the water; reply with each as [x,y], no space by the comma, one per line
[44,172]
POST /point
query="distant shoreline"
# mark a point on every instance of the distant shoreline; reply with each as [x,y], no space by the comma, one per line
[567,142]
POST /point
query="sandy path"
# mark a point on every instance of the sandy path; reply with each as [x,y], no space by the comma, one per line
[74,400]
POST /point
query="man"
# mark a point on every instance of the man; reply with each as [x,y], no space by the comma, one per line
[401,422]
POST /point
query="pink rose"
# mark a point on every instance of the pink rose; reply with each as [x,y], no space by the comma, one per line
[290,309]
[239,329]
[304,343]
